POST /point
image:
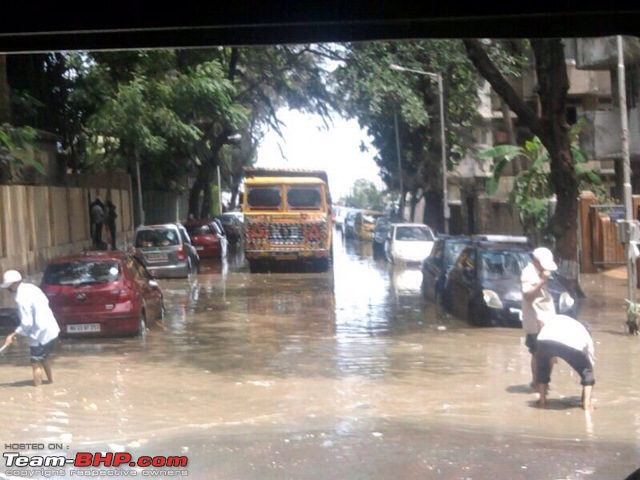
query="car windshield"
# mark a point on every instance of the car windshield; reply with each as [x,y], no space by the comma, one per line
[156,238]
[412,233]
[369,219]
[81,272]
[502,264]
[199,229]
[451,252]
[383,223]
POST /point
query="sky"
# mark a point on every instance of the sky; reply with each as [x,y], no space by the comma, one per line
[306,144]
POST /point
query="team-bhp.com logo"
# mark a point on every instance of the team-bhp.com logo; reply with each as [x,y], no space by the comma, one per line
[87,460]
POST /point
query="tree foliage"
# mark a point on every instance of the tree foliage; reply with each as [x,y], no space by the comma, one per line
[365,195]
[551,127]
[16,152]
[377,95]
[532,190]
[177,111]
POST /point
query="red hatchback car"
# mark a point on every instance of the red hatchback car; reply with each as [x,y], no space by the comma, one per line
[208,237]
[107,293]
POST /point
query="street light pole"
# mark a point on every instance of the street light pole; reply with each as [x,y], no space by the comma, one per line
[626,169]
[401,199]
[445,195]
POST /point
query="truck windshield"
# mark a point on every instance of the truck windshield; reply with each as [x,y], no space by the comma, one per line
[304,198]
[264,198]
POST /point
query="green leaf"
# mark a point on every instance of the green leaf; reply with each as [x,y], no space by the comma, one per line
[507,152]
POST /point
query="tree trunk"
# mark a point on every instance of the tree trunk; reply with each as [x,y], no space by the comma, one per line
[516,163]
[202,185]
[552,129]
[553,85]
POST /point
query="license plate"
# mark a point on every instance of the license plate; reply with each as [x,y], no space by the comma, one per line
[83,328]
[199,248]
[157,257]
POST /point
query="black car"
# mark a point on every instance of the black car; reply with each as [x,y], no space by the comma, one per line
[232,226]
[436,266]
[348,226]
[484,288]
[380,233]
[9,320]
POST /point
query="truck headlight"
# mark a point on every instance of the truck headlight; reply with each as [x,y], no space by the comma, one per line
[492,299]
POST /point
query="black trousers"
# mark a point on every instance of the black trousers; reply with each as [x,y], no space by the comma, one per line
[578,360]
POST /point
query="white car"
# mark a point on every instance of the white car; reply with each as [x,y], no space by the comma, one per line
[409,243]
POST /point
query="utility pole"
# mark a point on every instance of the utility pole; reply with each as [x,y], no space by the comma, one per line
[401,199]
[630,224]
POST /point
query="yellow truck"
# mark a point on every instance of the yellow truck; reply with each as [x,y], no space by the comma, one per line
[287,218]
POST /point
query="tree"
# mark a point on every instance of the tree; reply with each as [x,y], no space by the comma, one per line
[551,127]
[531,192]
[373,93]
[16,147]
[182,108]
[166,109]
[365,195]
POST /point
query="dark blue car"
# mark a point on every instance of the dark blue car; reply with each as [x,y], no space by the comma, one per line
[484,288]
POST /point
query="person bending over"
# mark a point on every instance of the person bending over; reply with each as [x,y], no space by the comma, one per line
[566,338]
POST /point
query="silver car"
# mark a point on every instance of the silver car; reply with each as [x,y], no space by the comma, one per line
[166,250]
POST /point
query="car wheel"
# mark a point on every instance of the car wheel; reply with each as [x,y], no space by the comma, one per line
[424,288]
[439,302]
[323,264]
[256,266]
[389,258]
[142,325]
[162,313]
[477,315]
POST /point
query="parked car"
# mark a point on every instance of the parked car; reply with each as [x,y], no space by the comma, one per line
[348,226]
[9,320]
[208,237]
[483,287]
[409,243]
[340,214]
[380,233]
[233,227]
[166,250]
[364,223]
[444,255]
[435,267]
[102,294]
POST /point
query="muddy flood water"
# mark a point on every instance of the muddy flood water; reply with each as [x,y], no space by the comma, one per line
[348,374]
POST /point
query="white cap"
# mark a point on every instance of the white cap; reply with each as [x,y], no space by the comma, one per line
[10,277]
[545,257]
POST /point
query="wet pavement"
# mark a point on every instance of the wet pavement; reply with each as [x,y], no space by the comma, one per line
[348,374]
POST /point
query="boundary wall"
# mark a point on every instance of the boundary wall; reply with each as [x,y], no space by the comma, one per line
[38,223]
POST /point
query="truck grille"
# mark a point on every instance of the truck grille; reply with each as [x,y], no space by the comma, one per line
[287,234]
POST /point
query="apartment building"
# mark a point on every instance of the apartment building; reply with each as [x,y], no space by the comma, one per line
[592,67]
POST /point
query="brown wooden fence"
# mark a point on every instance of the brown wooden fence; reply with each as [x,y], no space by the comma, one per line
[599,243]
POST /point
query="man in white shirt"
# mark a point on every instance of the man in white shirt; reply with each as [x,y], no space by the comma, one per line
[564,337]
[37,323]
[536,299]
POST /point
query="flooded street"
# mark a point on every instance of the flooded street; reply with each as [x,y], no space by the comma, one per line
[348,374]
